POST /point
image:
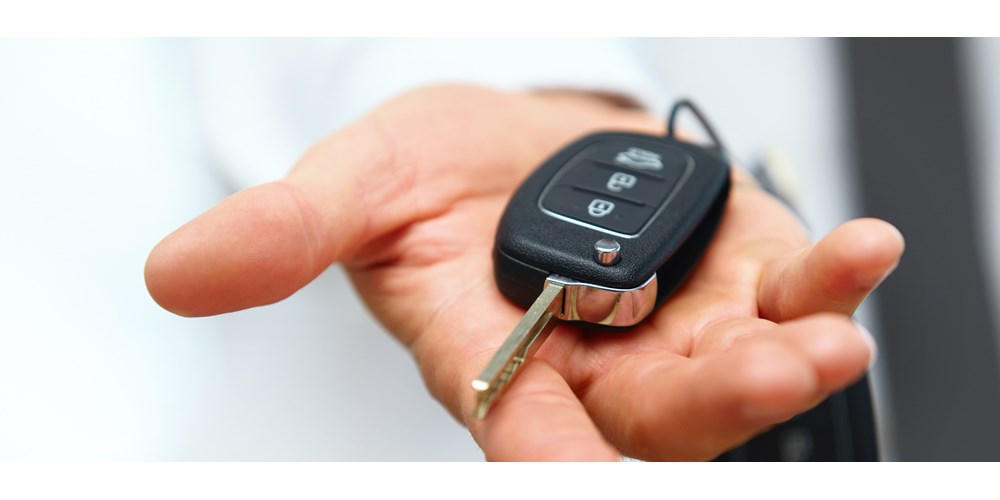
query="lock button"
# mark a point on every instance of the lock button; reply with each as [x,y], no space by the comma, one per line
[598,209]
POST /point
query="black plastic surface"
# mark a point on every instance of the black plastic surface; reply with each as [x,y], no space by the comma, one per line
[659,232]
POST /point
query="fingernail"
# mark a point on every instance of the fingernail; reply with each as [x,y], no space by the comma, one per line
[870,340]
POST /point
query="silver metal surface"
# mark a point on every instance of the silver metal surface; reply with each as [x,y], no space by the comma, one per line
[528,335]
[607,251]
[605,306]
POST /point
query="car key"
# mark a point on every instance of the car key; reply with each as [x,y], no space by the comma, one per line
[601,234]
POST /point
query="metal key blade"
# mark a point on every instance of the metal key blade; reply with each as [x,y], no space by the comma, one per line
[527,337]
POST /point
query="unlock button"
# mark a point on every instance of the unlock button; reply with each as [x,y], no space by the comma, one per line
[620,181]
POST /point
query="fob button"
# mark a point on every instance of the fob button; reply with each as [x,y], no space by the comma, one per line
[600,208]
[603,211]
[639,159]
[639,156]
[620,183]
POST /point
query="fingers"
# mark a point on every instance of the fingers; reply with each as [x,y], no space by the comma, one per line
[262,244]
[540,419]
[656,406]
[834,275]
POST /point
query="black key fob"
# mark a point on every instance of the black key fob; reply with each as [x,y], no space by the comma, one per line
[624,213]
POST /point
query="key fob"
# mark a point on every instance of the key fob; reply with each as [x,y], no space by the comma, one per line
[617,218]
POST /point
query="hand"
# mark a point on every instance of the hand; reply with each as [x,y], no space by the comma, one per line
[408,199]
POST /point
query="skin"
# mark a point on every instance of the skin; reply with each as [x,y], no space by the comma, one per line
[758,333]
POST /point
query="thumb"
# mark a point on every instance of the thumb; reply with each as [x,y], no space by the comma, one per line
[833,275]
[262,244]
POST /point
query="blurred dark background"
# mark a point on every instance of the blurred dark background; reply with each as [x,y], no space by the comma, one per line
[913,118]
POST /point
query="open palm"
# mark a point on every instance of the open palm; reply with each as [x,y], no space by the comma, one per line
[408,199]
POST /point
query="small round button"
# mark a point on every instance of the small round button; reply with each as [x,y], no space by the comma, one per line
[607,251]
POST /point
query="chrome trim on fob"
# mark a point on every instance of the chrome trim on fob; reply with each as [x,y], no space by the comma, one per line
[603,305]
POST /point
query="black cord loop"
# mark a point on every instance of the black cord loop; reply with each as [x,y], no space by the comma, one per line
[685,103]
